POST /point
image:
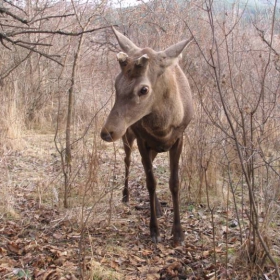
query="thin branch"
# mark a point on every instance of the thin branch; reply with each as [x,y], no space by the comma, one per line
[2,42]
[24,44]
[15,6]
[17,42]
[17,26]
[32,49]
[6,11]
[59,32]
[50,17]
[7,73]
[261,34]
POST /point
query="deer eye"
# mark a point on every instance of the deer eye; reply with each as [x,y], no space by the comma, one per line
[143,91]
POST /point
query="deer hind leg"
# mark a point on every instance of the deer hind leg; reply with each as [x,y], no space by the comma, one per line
[128,140]
[147,161]
[175,152]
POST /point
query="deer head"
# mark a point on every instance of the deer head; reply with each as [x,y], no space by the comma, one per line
[140,84]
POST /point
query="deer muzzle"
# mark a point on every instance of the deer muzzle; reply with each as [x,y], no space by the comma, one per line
[114,128]
[107,136]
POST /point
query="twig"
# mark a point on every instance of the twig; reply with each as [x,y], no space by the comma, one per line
[59,32]
[6,11]
[7,73]
[15,6]
[50,17]
[33,50]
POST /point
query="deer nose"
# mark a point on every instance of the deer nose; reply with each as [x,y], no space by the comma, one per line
[107,136]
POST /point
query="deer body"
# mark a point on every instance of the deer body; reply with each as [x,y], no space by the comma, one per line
[154,106]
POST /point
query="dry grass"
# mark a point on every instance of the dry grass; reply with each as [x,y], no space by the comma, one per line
[99,272]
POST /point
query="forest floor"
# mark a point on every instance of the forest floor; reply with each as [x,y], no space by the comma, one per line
[42,240]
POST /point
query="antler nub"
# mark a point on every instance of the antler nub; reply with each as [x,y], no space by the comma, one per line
[142,60]
[122,57]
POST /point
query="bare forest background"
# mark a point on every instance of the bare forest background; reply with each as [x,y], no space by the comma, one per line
[57,70]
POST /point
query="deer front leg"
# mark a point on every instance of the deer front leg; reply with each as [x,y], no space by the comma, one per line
[147,161]
[128,140]
[175,152]
[158,206]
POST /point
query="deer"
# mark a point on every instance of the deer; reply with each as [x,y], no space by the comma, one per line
[153,104]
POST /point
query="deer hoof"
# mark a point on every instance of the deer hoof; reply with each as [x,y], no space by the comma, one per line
[125,199]
[178,243]
[155,233]
[178,236]
[156,239]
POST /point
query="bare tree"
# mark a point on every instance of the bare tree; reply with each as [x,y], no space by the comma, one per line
[241,105]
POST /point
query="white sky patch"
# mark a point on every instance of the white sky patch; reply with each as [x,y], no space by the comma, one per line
[127,3]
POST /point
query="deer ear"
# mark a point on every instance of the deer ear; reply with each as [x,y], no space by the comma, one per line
[171,54]
[126,45]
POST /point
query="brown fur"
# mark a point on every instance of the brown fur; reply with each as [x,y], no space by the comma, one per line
[154,105]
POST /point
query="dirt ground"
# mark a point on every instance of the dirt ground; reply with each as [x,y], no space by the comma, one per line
[42,240]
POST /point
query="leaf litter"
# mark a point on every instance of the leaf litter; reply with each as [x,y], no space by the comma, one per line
[40,240]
